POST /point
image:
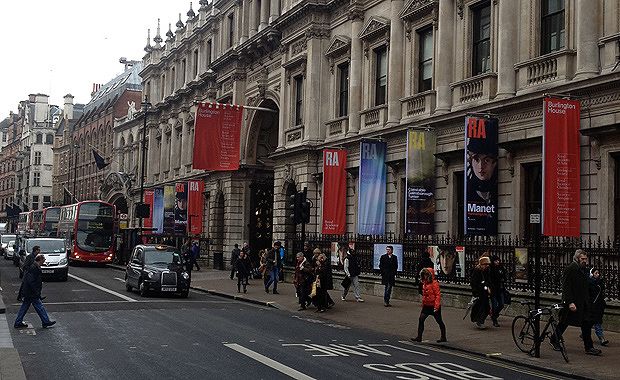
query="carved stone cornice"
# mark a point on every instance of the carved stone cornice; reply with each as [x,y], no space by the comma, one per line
[374,28]
[416,9]
[339,46]
[356,14]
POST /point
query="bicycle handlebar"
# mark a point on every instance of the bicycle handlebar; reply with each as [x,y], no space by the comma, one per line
[547,309]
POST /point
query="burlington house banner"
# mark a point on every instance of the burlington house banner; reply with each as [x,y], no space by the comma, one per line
[371,193]
[481,175]
[561,170]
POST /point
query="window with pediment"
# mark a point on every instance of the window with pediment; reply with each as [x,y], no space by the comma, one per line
[338,55]
[421,22]
[375,35]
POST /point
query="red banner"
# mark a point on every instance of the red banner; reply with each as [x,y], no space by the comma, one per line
[334,191]
[561,167]
[217,132]
[195,206]
[148,222]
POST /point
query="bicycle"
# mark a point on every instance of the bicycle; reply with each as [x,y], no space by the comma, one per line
[523,329]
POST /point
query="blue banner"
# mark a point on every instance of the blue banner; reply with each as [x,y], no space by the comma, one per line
[158,210]
[372,178]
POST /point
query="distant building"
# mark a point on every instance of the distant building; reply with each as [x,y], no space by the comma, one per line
[63,160]
[92,131]
[34,159]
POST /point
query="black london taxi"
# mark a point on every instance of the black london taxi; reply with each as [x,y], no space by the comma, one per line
[157,268]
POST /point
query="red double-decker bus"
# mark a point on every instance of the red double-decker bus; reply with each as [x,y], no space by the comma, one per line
[45,222]
[88,228]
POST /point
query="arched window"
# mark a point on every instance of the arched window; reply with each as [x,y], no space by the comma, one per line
[39,138]
[49,138]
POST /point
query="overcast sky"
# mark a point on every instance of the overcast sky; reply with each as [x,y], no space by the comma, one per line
[64,46]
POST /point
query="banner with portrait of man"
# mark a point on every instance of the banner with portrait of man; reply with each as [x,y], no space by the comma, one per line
[481,173]
[180,208]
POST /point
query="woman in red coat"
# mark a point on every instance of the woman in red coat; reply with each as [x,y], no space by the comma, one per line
[431,304]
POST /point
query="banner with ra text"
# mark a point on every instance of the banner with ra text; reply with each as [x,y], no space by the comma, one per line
[158,210]
[148,222]
[561,170]
[334,191]
[195,207]
[217,132]
[420,195]
[180,208]
[481,173]
[371,193]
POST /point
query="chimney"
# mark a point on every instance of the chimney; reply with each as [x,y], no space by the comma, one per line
[68,107]
[96,87]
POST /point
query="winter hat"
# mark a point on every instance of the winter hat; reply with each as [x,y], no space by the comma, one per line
[484,260]
[592,270]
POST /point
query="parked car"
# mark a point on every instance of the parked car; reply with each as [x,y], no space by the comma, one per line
[56,263]
[5,239]
[157,268]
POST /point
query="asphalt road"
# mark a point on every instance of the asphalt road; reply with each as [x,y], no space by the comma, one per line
[105,332]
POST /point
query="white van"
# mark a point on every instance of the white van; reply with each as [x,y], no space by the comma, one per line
[56,263]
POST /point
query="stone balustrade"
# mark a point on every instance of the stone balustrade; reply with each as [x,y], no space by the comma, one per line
[421,104]
[479,89]
[374,117]
[548,68]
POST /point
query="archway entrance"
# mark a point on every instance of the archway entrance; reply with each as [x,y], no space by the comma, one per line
[262,142]
[218,232]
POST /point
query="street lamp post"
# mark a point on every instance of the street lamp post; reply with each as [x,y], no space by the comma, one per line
[145,107]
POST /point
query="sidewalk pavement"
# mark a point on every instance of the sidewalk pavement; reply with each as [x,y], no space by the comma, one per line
[402,318]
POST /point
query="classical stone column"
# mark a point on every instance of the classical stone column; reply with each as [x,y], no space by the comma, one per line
[264,14]
[355,71]
[275,10]
[284,95]
[507,48]
[445,56]
[253,17]
[312,90]
[244,13]
[395,64]
[587,38]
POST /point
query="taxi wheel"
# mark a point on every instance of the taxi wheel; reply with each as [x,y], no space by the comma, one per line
[143,291]
[128,287]
[185,294]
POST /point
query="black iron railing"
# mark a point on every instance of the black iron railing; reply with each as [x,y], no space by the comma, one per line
[556,254]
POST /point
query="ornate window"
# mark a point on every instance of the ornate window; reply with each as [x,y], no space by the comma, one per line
[39,138]
[36,179]
[425,59]
[49,138]
[481,39]
[37,158]
[380,85]
[299,98]
[553,33]
[343,89]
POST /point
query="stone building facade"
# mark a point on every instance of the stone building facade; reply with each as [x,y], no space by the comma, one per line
[93,131]
[334,72]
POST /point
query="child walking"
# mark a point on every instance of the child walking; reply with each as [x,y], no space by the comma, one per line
[431,304]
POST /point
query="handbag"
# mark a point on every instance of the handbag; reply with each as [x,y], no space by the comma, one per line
[313,291]
[346,282]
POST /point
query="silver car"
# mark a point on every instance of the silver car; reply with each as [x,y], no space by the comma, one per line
[56,264]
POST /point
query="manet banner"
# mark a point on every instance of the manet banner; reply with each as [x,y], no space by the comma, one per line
[371,194]
[217,136]
[420,194]
[481,175]
[334,191]
[561,171]
[180,208]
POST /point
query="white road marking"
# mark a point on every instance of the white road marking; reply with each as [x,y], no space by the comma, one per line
[269,362]
[103,289]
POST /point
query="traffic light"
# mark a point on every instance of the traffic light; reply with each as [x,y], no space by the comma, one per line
[305,210]
[296,205]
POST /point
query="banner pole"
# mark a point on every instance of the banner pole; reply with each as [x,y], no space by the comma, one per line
[246,107]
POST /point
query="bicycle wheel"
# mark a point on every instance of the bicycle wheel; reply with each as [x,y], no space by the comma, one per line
[560,342]
[523,333]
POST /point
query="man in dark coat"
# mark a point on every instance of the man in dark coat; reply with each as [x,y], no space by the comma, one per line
[31,294]
[388,265]
[480,289]
[576,295]
[234,256]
